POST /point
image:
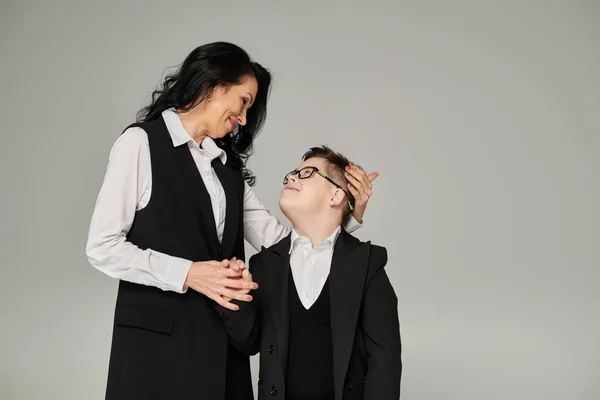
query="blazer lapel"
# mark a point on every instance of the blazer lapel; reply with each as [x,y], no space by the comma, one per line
[277,261]
[346,286]
[201,198]
[232,205]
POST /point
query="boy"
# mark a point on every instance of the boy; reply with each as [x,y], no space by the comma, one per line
[324,317]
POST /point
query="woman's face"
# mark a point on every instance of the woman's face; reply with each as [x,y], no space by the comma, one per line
[227,106]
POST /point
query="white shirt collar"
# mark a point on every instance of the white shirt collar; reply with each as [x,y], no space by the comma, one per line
[180,136]
[330,241]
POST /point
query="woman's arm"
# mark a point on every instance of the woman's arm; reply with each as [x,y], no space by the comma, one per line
[127,184]
[127,188]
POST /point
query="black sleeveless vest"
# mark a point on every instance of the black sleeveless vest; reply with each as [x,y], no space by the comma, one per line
[168,345]
[310,348]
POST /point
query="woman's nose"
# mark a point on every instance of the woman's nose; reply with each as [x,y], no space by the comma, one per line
[242,118]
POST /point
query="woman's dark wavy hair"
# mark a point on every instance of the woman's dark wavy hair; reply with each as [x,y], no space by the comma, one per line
[207,66]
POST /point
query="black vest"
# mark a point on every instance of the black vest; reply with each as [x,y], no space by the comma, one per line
[168,345]
[310,351]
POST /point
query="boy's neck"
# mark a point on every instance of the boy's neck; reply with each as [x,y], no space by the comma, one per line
[316,229]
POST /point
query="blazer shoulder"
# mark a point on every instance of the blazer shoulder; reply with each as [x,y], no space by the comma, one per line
[378,259]
[379,253]
[257,261]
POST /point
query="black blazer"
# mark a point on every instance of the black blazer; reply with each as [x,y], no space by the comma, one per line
[364,321]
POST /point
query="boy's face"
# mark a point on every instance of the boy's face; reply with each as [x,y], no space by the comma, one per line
[311,195]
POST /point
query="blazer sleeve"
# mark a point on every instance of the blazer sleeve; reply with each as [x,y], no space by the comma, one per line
[244,326]
[381,328]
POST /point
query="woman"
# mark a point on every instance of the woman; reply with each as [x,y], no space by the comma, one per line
[174,207]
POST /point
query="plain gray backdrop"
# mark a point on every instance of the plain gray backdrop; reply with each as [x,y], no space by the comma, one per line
[482,118]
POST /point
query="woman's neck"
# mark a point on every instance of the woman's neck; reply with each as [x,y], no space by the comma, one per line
[194,125]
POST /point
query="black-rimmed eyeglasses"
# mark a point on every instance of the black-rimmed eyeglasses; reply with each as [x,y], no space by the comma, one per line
[307,172]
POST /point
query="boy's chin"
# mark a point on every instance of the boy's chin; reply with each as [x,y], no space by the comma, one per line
[287,207]
[284,206]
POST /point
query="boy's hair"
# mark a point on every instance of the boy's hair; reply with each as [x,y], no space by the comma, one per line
[336,167]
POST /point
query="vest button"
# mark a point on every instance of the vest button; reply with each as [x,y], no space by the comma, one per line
[273,391]
[271,349]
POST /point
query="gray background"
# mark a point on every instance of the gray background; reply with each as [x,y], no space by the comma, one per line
[482,118]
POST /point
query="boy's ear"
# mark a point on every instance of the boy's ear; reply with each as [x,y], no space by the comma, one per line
[338,197]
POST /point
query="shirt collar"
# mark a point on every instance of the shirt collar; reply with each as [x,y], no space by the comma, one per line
[180,136]
[330,241]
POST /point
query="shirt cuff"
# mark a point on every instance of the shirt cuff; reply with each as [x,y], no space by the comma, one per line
[351,224]
[176,274]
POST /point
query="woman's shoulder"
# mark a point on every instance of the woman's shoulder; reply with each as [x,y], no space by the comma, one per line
[131,141]
[135,132]
[133,135]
